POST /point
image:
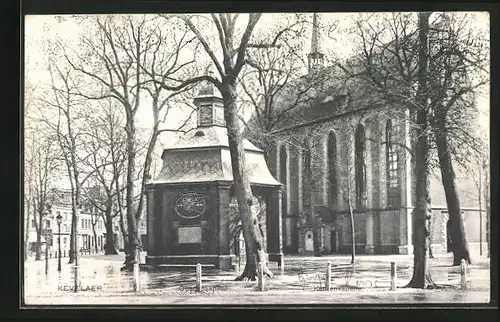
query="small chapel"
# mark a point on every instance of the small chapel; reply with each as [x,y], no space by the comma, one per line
[192,213]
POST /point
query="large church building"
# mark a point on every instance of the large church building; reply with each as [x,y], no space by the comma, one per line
[343,153]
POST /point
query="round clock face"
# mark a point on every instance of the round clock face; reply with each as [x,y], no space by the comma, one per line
[190,205]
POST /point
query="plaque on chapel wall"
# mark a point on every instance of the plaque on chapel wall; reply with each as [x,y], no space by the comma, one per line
[188,235]
[190,205]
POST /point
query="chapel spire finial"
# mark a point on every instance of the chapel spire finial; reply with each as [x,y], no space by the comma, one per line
[315,57]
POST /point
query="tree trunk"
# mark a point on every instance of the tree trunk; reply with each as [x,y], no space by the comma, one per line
[38,250]
[27,230]
[95,238]
[421,213]
[431,255]
[72,240]
[353,232]
[132,243]
[110,247]
[459,245]
[253,238]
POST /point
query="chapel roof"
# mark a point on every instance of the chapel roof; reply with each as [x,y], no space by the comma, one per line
[205,138]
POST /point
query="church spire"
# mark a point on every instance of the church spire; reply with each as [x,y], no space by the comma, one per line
[315,57]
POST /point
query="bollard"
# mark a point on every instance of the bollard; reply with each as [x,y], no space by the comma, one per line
[463,275]
[260,276]
[393,276]
[198,278]
[328,276]
[136,277]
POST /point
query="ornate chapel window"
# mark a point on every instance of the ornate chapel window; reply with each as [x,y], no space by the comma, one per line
[306,169]
[360,166]
[332,169]
[393,198]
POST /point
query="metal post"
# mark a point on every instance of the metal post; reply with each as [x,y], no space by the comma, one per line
[59,247]
[136,277]
[77,255]
[393,276]
[46,255]
[328,276]
[463,275]
[198,277]
[260,276]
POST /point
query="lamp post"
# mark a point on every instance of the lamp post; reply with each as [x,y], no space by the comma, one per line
[46,236]
[59,220]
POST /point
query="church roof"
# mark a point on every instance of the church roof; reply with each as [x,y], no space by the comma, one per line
[331,94]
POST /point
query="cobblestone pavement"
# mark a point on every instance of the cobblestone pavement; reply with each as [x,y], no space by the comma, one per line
[301,281]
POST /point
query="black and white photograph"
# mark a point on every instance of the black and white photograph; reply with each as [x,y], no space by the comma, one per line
[279,158]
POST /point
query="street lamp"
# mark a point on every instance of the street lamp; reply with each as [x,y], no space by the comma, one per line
[59,221]
[46,236]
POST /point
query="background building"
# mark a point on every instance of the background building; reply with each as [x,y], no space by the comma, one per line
[343,143]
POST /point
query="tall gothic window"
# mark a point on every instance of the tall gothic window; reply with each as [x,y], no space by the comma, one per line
[306,168]
[282,177]
[360,166]
[392,165]
[332,169]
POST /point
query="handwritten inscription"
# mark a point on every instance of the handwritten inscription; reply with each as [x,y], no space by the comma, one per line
[348,283]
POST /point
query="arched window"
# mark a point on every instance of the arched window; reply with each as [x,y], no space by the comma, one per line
[306,170]
[392,165]
[360,166]
[283,178]
[332,169]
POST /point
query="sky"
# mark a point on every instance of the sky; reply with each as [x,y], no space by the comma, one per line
[39,29]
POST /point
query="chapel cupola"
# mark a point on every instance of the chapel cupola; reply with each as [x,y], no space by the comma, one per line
[316,57]
[210,105]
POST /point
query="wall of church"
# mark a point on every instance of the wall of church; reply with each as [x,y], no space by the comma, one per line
[376,224]
[389,214]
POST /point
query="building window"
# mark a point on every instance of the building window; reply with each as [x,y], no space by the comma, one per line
[65,240]
[83,223]
[306,168]
[282,177]
[33,223]
[47,224]
[332,170]
[392,165]
[360,166]
[206,114]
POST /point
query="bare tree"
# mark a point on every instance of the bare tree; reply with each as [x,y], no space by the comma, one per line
[234,58]
[107,156]
[125,46]
[398,57]
[272,75]
[68,130]
[41,164]
[458,67]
